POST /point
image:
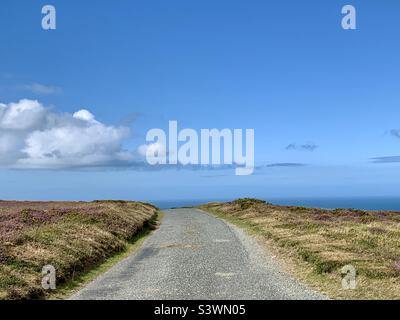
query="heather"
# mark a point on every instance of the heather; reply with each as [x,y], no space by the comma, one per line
[316,243]
[71,236]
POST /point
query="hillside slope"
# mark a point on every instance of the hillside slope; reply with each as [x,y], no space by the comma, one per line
[316,244]
[71,236]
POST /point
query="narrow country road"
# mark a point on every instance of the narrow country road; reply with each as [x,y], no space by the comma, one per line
[196,256]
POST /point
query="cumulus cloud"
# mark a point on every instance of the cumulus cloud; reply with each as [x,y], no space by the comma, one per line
[305,147]
[32,136]
[24,115]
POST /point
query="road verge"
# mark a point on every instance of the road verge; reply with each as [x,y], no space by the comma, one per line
[75,238]
[316,244]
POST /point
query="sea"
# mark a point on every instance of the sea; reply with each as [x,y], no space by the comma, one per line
[364,203]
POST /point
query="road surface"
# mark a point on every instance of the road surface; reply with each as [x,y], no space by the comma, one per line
[194,255]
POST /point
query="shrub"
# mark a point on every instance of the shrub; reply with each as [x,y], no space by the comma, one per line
[245,203]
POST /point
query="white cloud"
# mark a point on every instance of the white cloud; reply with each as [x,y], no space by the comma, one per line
[32,136]
[24,115]
[84,115]
[153,150]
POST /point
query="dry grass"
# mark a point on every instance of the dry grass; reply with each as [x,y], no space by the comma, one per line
[317,243]
[73,237]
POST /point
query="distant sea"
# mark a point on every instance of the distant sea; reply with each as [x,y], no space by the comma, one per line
[366,203]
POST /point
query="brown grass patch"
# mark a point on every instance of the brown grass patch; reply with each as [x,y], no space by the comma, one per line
[317,243]
[71,236]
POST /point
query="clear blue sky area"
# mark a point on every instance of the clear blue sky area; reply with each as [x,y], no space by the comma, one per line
[324,102]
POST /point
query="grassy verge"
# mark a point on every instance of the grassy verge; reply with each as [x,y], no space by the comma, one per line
[75,238]
[314,244]
[79,281]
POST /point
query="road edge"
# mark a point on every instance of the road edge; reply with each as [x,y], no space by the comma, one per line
[67,290]
[268,251]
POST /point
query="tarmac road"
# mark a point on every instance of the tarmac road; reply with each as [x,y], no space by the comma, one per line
[194,255]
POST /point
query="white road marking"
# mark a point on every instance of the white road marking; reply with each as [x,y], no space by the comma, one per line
[225,274]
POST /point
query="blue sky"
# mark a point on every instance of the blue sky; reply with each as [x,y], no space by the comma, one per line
[286,69]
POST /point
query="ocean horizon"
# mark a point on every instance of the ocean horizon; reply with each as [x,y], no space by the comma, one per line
[363,203]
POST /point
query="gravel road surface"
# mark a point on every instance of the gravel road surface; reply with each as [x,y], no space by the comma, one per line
[194,255]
